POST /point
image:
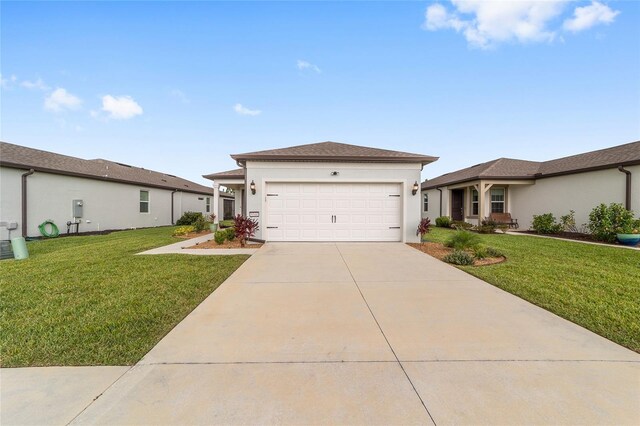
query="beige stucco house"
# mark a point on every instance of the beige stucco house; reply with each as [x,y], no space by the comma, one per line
[99,195]
[328,191]
[526,188]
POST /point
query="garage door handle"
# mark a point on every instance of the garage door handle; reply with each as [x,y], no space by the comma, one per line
[394,227]
[272,227]
[394,195]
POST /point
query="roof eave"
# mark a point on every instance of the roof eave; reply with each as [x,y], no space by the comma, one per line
[424,160]
[471,179]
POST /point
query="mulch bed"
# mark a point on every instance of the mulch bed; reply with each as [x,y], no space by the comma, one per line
[235,244]
[439,251]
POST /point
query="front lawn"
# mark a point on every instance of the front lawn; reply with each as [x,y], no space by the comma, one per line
[89,300]
[596,287]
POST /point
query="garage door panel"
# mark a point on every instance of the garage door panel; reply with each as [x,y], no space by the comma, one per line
[333,212]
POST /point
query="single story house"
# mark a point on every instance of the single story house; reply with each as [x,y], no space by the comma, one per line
[526,188]
[99,195]
[328,191]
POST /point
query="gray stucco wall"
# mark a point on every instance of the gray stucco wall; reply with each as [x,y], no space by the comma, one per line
[107,205]
[580,192]
[406,174]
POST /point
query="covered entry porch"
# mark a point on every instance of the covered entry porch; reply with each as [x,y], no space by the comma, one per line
[475,201]
[228,193]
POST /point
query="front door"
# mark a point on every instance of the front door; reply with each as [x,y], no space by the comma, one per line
[457,204]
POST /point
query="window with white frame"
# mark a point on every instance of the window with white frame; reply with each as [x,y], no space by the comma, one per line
[497,200]
[144,201]
[425,202]
[474,202]
[208,205]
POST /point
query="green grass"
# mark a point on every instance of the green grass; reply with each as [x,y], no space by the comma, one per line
[89,301]
[597,287]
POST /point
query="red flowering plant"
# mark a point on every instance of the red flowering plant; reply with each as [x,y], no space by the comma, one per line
[423,228]
[245,228]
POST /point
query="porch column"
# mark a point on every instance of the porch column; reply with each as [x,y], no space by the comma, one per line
[237,193]
[482,191]
[216,201]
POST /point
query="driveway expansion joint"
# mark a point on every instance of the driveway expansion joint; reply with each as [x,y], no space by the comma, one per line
[385,337]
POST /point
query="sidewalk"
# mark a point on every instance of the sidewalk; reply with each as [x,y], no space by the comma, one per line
[181,248]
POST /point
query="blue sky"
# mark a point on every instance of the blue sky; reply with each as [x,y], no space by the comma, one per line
[177,87]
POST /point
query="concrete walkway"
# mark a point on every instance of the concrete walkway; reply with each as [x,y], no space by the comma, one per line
[371,334]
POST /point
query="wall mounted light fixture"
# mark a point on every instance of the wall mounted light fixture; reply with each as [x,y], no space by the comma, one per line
[414,191]
[252,187]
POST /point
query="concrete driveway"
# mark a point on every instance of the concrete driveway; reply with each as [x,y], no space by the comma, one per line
[371,334]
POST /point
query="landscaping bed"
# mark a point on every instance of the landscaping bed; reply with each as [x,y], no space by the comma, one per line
[576,236]
[594,286]
[90,300]
[234,244]
[439,251]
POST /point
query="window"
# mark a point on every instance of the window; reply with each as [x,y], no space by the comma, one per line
[474,202]
[208,205]
[497,200]
[425,202]
[144,201]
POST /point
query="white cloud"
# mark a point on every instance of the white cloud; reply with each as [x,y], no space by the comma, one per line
[60,100]
[588,16]
[38,84]
[245,111]
[119,107]
[486,24]
[180,95]
[304,65]
[5,83]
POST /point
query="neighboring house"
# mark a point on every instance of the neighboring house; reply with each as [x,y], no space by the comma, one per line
[112,195]
[328,191]
[526,188]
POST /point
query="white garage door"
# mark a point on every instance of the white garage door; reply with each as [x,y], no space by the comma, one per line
[333,212]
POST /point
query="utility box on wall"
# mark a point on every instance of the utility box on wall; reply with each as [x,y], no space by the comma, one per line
[77,208]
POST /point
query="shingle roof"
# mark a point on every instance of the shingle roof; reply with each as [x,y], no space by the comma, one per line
[626,154]
[229,174]
[22,157]
[507,168]
[334,151]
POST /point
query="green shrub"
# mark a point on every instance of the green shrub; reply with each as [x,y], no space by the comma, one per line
[492,252]
[503,228]
[230,233]
[460,224]
[459,257]
[183,230]
[545,224]
[189,218]
[487,227]
[607,221]
[480,252]
[443,222]
[200,224]
[463,240]
[226,223]
[220,237]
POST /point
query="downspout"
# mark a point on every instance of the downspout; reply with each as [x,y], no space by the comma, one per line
[627,198]
[440,201]
[24,201]
[172,218]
